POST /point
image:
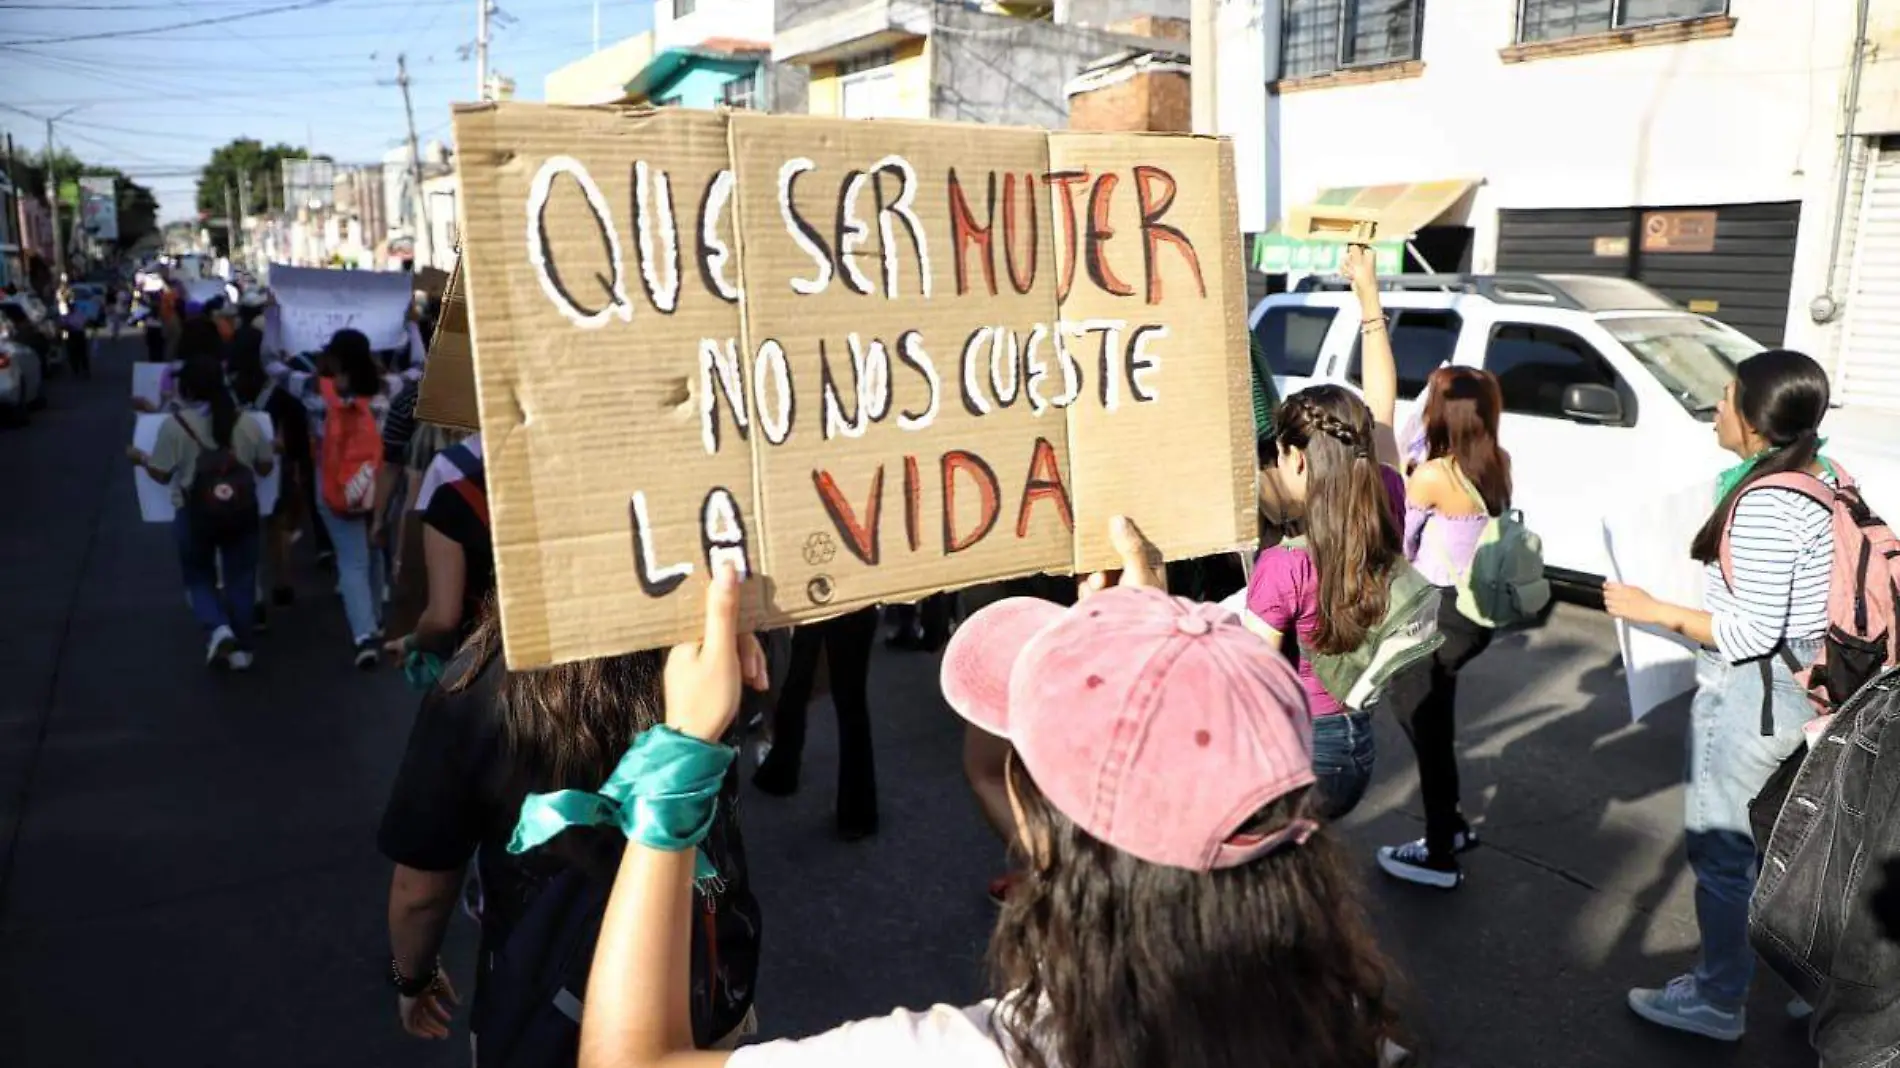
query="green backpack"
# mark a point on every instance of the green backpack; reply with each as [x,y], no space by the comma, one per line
[1405,635]
[1505,585]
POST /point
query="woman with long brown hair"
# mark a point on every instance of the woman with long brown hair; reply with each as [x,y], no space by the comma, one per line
[484,740]
[1181,904]
[1451,495]
[1321,592]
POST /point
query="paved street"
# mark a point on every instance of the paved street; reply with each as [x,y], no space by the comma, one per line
[188,872]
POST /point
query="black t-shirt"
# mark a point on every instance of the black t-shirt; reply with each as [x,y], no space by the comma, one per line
[456,795]
[450,512]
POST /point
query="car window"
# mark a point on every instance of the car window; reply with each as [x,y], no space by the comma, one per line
[1423,340]
[1693,358]
[1290,338]
[1535,364]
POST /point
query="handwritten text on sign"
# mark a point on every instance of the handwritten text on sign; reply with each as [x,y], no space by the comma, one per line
[746,328]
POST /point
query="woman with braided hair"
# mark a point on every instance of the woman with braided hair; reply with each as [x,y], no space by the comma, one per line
[1323,591]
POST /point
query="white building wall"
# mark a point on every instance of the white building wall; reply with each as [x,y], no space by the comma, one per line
[1749,118]
[745,20]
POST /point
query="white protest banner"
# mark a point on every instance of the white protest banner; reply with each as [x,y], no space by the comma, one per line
[201,290]
[155,500]
[859,361]
[153,382]
[314,303]
[1648,542]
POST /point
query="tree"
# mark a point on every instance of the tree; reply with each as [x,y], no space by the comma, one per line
[138,208]
[261,166]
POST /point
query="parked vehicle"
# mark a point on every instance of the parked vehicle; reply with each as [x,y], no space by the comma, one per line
[22,367]
[1602,377]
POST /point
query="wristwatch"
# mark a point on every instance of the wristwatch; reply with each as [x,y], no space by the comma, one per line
[408,987]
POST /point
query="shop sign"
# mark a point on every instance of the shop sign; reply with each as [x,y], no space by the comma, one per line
[1679,231]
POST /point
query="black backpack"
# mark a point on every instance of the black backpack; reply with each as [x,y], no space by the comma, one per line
[222,500]
[531,998]
[1812,918]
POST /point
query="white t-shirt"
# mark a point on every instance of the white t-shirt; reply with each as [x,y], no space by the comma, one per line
[943,1036]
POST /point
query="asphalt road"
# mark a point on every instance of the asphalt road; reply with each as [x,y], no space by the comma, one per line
[188,872]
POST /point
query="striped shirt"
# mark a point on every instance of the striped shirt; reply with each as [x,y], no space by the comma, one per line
[1781,545]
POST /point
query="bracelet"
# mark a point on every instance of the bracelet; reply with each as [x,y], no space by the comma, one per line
[1370,325]
[408,987]
[1380,319]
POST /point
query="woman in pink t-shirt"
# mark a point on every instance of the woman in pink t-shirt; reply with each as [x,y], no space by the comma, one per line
[1326,588]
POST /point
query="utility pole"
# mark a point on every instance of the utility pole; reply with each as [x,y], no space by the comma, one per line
[481,49]
[230,222]
[52,200]
[427,244]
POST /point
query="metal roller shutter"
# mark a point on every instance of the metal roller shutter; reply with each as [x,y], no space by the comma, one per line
[1869,367]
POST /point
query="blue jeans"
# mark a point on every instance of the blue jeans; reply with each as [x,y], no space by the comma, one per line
[1730,761]
[1342,761]
[359,571]
[200,561]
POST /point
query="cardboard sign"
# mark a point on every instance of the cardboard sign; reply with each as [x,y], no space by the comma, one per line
[862,361]
[447,394]
[314,303]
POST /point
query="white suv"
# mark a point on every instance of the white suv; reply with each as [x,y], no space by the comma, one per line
[1609,388]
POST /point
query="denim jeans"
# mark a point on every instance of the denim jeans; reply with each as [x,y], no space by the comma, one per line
[359,571]
[1342,761]
[200,561]
[1730,760]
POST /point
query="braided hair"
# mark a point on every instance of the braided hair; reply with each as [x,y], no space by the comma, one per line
[1350,530]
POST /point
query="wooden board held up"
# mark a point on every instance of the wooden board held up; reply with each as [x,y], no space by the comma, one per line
[862,361]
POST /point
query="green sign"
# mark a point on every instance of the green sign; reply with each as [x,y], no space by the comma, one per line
[1280,254]
[69,194]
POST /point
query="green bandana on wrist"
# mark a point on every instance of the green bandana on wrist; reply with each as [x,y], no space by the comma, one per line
[662,795]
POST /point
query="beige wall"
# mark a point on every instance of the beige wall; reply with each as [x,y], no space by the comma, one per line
[600,78]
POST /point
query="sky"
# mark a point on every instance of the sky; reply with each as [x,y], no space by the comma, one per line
[316,72]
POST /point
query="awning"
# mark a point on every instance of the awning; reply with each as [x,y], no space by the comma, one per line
[1402,210]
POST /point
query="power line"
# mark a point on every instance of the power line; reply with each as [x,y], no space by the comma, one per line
[104,35]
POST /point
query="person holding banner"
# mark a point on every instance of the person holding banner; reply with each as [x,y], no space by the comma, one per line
[1760,626]
[1324,591]
[346,402]
[207,431]
[1191,863]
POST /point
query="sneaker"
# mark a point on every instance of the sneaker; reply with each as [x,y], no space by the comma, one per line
[240,660]
[1413,863]
[1679,1006]
[779,780]
[367,654]
[1799,1009]
[219,649]
[1001,886]
[262,620]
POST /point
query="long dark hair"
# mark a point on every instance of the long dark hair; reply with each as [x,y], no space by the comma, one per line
[1349,525]
[352,360]
[1462,408]
[568,725]
[1134,965]
[1781,395]
[245,356]
[202,380]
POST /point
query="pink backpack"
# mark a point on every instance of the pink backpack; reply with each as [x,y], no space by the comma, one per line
[1863,629]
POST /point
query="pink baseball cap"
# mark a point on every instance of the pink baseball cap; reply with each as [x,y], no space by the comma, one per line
[1159,725]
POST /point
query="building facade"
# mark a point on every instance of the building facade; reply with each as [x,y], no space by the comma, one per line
[924,59]
[1713,149]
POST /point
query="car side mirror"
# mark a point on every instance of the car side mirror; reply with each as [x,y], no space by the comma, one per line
[1591,403]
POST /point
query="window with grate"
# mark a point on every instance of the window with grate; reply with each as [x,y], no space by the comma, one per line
[1322,36]
[739,93]
[863,61]
[1554,20]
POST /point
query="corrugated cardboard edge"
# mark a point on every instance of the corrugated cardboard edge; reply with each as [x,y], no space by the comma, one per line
[1246,471]
[446,396]
[502,415]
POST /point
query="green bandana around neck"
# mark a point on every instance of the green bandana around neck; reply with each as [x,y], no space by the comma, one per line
[1729,479]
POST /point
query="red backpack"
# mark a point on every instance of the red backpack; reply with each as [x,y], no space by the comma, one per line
[1863,629]
[352,451]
